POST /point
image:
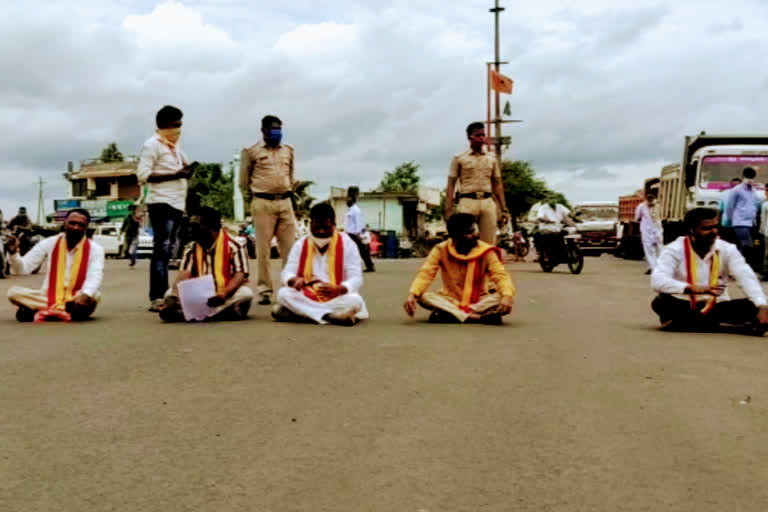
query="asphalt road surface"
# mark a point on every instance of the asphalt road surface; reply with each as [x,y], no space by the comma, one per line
[577,403]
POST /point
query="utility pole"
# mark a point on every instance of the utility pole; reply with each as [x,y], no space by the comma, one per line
[497,63]
[40,210]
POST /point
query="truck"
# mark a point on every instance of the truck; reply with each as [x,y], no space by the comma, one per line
[708,165]
[597,223]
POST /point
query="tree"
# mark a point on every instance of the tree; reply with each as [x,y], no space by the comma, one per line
[302,201]
[522,189]
[210,186]
[111,153]
[405,178]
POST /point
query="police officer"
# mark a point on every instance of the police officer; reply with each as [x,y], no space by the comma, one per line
[479,185]
[266,177]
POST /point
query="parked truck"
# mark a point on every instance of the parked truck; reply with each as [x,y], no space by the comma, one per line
[708,165]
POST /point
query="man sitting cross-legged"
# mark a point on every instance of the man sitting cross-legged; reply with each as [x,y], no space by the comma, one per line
[74,273]
[322,276]
[691,278]
[212,251]
[466,264]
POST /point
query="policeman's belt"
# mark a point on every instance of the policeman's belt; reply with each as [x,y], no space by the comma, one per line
[476,195]
[272,197]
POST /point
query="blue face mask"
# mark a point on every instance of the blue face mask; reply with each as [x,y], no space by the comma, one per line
[275,136]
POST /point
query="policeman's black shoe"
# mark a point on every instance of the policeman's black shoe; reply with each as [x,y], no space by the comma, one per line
[25,314]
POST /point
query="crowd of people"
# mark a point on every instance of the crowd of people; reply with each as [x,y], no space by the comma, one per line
[322,272]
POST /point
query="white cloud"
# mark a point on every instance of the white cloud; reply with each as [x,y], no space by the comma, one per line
[318,39]
[172,22]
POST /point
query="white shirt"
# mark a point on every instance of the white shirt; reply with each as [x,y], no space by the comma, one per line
[648,227]
[156,157]
[670,273]
[548,214]
[353,273]
[35,257]
[764,219]
[353,220]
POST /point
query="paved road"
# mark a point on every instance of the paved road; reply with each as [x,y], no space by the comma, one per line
[577,403]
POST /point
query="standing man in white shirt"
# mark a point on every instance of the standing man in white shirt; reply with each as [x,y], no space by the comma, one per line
[691,279]
[354,226]
[650,230]
[764,233]
[73,277]
[165,169]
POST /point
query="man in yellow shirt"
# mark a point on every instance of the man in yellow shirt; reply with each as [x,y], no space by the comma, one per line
[466,265]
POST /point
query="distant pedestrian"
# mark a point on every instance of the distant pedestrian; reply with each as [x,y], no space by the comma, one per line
[650,230]
[742,209]
[354,226]
[130,231]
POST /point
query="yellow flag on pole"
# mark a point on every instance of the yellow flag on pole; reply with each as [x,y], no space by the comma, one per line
[501,83]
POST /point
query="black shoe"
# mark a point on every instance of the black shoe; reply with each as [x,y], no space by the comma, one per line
[441,317]
[25,314]
[372,269]
[648,272]
[265,300]
[171,315]
[283,314]
[494,319]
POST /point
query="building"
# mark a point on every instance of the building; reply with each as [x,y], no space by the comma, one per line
[105,189]
[97,180]
[405,213]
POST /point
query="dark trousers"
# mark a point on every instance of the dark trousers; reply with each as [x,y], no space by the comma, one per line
[744,241]
[731,312]
[365,251]
[165,220]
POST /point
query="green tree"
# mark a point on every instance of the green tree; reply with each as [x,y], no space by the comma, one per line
[302,201]
[211,186]
[111,153]
[405,178]
[522,189]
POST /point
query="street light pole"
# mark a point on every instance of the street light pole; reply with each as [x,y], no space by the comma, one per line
[497,62]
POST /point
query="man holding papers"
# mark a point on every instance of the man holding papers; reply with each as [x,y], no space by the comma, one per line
[213,252]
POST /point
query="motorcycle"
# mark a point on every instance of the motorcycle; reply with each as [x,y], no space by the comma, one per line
[516,243]
[556,246]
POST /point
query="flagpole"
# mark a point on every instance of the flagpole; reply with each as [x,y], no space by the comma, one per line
[488,95]
[496,10]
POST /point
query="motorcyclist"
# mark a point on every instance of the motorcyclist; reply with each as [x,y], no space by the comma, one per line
[550,218]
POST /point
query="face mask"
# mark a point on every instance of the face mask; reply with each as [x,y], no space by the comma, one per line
[170,135]
[321,243]
[275,136]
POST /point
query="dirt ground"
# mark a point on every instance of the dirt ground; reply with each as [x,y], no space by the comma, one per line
[577,403]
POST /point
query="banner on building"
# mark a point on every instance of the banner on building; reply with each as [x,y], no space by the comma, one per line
[97,208]
[63,205]
[118,209]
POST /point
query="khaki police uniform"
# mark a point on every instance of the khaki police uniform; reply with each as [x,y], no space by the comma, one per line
[266,175]
[474,173]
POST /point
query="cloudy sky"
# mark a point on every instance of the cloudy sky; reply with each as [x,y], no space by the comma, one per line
[606,93]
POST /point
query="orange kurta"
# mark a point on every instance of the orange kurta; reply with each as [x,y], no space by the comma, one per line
[453,271]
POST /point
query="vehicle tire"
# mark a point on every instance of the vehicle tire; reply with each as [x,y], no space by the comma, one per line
[545,262]
[575,259]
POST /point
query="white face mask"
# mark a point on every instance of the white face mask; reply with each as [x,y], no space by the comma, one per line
[321,243]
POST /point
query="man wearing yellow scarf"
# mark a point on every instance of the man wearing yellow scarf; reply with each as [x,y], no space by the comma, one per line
[212,251]
[323,276]
[691,277]
[74,273]
[466,266]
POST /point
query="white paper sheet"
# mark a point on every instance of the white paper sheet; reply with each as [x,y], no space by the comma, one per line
[194,294]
